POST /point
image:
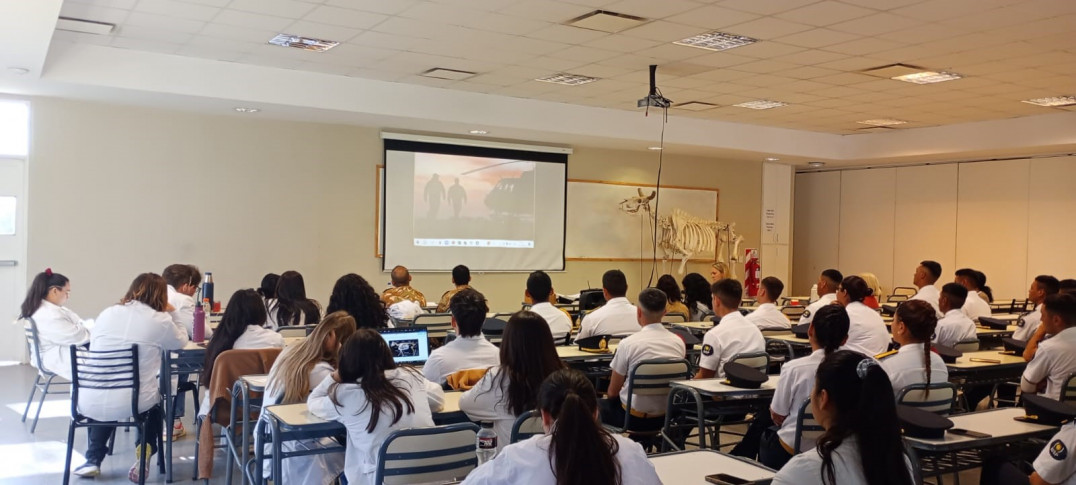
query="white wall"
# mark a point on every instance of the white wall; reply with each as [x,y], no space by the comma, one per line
[1005,218]
[775,255]
[116,190]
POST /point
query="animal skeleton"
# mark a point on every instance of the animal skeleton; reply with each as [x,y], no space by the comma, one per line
[683,235]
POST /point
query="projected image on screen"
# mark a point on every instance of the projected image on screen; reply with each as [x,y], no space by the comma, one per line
[473,202]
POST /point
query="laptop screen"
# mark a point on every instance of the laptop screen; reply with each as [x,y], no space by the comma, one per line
[408,345]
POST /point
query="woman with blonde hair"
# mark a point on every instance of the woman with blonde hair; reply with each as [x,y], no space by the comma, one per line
[718,271]
[298,369]
[872,300]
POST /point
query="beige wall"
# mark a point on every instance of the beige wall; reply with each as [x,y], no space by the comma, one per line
[118,190]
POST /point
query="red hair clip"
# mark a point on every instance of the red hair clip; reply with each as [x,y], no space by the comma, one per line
[48,271]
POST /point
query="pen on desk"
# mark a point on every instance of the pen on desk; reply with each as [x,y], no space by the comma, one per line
[985,361]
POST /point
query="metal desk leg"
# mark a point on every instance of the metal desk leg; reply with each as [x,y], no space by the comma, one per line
[169,412]
[278,466]
[701,416]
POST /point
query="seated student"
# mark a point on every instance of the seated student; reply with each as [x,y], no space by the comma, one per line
[576,449]
[867,333]
[617,316]
[697,297]
[1055,358]
[292,307]
[718,271]
[914,362]
[876,290]
[926,274]
[401,289]
[1056,464]
[668,285]
[461,278]
[955,326]
[767,316]
[827,285]
[140,319]
[267,288]
[183,280]
[974,305]
[528,356]
[57,327]
[653,341]
[1066,286]
[354,295]
[372,397]
[827,333]
[861,442]
[294,374]
[734,335]
[540,291]
[470,349]
[1043,286]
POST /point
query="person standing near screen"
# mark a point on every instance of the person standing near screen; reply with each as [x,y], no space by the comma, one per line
[434,193]
[457,196]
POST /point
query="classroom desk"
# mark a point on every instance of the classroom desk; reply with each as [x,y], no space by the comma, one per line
[789,337]
[704,326]
[692,467]
[1009,368]
[985,333]
[571,353]
[720,394]
[998,423]
[238,447]
[188,360]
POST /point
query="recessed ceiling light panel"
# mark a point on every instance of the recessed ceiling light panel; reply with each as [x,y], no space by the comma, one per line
[882,122]
[478,132]
[695,106]
[761,104]
[772,159]
[928,77]
[567,79]
[716,41]
[605,21]
[816,164]
[304,43]
[654,148]
[1052,101]
[243,109]
[450,74]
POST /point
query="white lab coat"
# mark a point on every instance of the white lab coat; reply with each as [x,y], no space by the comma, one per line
[254,337]
[360,459]
[117,328]
[486,402]
[58,329]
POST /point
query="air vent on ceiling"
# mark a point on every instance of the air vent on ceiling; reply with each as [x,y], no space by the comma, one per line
[567,79]
[761,104]
[716,41]
[304,43]
[695,106]
[1052,101]
[450,74]
[605,21]
[84,26]
[912,74]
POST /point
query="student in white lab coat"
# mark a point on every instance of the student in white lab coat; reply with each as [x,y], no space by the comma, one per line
[292,307]
[267,290]
[354,295]
[528,356]
[470,350]
[141,319]
[57,327]
[914,362]
[372,397]
[183,280]
[294,374]
[575,450]
[861,443]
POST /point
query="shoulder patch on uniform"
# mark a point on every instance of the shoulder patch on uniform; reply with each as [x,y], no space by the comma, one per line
[1020,322]
[1058,451]
[707,350]
[885,354]
[806,314]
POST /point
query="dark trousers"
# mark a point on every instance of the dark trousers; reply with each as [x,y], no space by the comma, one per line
[99,436]
[179,400]
[998,471]
[770,451]
[749,444]
[612,413]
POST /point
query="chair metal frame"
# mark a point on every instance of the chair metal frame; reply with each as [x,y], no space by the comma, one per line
[674,317]
[44,378]
[296,330]
[1068,391]
[938,406]
[969,345]
[436,329]
[173,363]
[524,425]
[805,423]
[650,385]
[386,457]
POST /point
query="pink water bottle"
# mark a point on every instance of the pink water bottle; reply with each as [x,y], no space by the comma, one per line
[199,324]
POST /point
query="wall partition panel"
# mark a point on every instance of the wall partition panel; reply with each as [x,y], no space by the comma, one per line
[925,221]
[992,223]
[868,204]
[1051,205]
[816,226]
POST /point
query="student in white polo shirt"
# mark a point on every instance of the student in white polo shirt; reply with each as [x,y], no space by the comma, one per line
[540,292]
[470,350]
[914,362]
[1043,286]
[955,326]
[767,316]
[617,316]
[867,333]
[653,341]
[974,306]
[732,335]
[828,282]
[1055,358]
[926,274]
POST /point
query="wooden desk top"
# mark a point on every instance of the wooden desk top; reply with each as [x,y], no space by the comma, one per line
[692,467]
[964,361]
[718,387]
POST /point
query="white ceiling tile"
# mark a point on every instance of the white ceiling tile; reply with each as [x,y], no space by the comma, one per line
[825,13]
[883,4]
[810,57]
[380,6]
[368,73]
[769,7]
[721,59]
[651,9]
[281,8]
[526,45]
[123,4]
[439,12]
[388,41]
[326,68]
[622,43]
[712,18]
[177,9]
[216,3]
[145,45]
[425,29]
[162,22]
[322,31]
[863,46]
[344,17]
[154,34]
[768,50]
[94,13]
[555,12]
[818,38]
[566,34]
[672,52]
[212,52]
[767,28]
[582,53]
[662,31]
[936,10]
[505,24]
[243,34]
[880,23]
[253,21]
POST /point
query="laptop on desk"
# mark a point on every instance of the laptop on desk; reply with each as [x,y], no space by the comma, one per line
[410,345]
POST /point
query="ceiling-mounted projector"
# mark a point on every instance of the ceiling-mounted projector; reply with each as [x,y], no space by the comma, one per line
[655,98]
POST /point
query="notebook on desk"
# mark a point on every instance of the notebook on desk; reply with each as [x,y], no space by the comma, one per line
[409,345]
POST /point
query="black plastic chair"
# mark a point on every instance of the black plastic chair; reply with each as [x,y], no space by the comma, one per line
[45,379]
[114,370]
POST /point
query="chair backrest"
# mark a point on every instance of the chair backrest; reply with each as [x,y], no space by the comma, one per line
[1068,392]
[896,298]
[907,291]
[33,346]
[527,424]
[970,345]
[421,455]
[228,367]
[674,317]
[105,370]
[757,360]
[807,428]
[437,324]
[652,378]
[793,312]
[938,400]
[295,330]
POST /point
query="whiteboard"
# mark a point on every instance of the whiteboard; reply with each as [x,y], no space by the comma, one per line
[598,230]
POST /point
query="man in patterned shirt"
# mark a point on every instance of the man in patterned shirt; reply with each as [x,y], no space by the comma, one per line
[401,289]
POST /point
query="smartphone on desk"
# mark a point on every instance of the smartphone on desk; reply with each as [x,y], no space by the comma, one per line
[726,479]
[967,432]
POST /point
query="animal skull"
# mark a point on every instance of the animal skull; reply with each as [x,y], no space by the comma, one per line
[633,205]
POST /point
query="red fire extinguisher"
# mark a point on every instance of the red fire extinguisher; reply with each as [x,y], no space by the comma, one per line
[752,270]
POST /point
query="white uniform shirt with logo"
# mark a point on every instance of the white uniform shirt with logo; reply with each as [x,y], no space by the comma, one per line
[117,328]
[929,294]
[806,468]
[797,381]
[975,307]
[1054,360]
[1055,464]
[906,367]
[486,402]
[57,329]
[464,353]
[360,457]
[732,335]
[528,462]
[559,323]
[954,327]
[866,331]
[1028,324]
[617,317]
[652,342]
[768,317]
[812,309]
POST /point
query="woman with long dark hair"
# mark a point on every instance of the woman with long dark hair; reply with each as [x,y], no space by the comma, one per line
[697,296]
[292,307]
[853,401]
[667,284]
[914,363]
[867,333]
[372,397]
[576,449]
[528,356]
[241,327]
[354,295]
[57,327]
[267,288]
